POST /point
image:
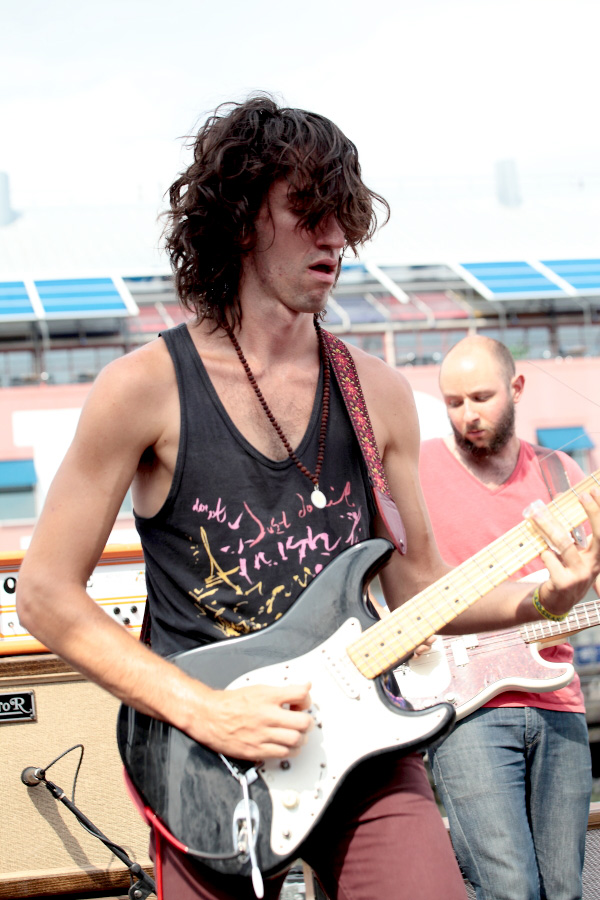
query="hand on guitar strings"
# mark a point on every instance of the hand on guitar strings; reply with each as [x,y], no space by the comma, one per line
[572,569]
[258,722]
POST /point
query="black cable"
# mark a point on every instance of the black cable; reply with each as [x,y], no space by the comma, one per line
[110,844]
[95,832]
[57,792]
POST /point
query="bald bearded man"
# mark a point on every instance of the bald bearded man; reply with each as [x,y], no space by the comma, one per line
[514,776]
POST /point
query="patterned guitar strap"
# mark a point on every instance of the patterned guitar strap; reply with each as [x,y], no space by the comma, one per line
[557,481]
[347,378]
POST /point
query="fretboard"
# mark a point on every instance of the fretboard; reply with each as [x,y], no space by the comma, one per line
[584,615]
[385,644]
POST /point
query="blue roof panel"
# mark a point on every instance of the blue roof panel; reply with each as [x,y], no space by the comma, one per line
[14,301]
[80,297]
[511,279]
[582,274]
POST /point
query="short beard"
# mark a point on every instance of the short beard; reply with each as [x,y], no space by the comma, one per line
[500,438]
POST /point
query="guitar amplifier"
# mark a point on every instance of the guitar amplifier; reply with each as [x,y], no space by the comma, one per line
[45,709]
[117,584]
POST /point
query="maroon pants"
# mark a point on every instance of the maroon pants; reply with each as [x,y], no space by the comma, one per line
[381,837]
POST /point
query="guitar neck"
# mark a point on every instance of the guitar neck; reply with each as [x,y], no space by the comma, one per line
[584,615]
[386,643]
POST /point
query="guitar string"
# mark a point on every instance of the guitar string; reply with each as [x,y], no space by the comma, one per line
[384,655]
[571,501]
[568,508]
[495,643]
[376,654]
[537,631]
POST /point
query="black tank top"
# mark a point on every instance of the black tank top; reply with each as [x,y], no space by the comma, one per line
[237,537]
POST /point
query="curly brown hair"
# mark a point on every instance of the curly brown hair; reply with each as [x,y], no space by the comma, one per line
[239,152]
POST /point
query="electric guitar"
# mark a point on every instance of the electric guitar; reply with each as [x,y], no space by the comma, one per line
[245,818]
[470,669]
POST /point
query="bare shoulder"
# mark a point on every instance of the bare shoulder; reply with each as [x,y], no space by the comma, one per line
[377,374]
[148,367]
[139,385]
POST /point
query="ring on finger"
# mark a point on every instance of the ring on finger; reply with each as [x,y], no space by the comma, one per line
[564,546]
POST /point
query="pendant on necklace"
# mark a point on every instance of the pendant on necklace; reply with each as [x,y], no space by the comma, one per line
[318,499]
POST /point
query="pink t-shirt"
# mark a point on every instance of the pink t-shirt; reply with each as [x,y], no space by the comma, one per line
[467,516]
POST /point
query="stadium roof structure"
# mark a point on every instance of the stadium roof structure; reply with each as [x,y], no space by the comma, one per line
[486,258]
[535,279]
[367,297]
[372,296]
[65,298]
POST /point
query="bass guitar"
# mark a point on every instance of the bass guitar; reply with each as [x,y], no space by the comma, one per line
[470,669]
[241,818]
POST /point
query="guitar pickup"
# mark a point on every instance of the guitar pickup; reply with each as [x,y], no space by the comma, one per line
[470,641]
[461,646]
[344,673]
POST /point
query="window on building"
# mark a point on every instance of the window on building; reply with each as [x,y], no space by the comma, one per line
[84,363]
[571,340]
[405,343]
[538,343]
[58,367]
[17,368]
[431,347]
[78,364]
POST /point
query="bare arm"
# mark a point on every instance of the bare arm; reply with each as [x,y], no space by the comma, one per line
[129,410]
[395,423]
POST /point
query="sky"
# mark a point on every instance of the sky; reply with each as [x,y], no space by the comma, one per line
[96,98]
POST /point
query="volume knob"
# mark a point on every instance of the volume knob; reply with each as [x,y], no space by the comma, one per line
[290,799]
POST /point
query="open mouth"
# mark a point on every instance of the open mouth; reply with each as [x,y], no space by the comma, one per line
[323,267]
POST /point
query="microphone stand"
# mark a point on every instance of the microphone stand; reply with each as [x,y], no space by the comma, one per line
[142,885]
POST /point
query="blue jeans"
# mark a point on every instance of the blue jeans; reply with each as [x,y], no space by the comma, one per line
[516,785]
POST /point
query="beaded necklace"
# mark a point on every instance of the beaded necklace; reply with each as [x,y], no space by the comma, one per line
[317,497]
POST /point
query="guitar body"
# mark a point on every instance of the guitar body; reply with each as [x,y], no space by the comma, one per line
[191,789]
[469,670]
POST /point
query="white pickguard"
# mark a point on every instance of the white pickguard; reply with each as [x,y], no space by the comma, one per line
[351,722]
[430,668]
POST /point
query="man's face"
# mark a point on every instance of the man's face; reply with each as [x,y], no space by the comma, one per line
[480,402]
[289,265]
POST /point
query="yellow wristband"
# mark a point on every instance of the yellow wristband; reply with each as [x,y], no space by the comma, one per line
[542,609]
